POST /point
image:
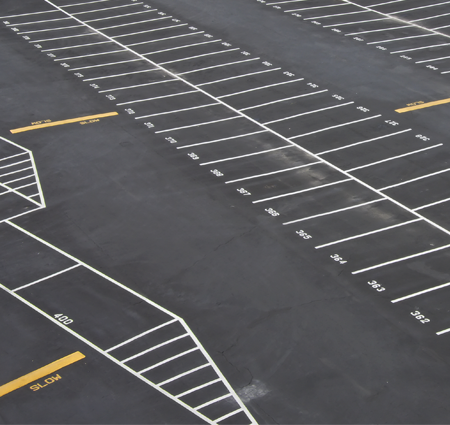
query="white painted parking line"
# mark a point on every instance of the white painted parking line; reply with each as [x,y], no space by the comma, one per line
[37,22]
[82,4]
[218,66]
[179,110]
[166,38]
[420,48]
[28,14]
[431,17]
[181,375]
[15,172]
[435,288]
[247,155]
[147,31]
[362,142]
[148,350]
[121,16]
[193,390]
[107,8]
[337,14]
[383,3]
[181,47]
[61,38]
[104,64]
[221,140]
[260,88]
[443,332]
[157,97]
[282,2]
[15,163]
[139,85]
[184,353]
[19,179]
[212,401]
[46,278]
[134,23]
[13,156]
[141,335]
[88,56]
[432,204]
[199,56]
[334,211]
[315,7]
[273,172]
[309,189]
[120,75]
[281,100]
[402,38]
[228,415]
[50,29]
[23,187]
[378,30]
[415,179]
[76,46]
[238,76]
[433,60]
[419,7]
[309,112]
[354,23]
[197,125]
[398,260]
[368,233]
[392,158]
[334,126]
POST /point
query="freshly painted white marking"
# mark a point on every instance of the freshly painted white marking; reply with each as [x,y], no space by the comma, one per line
[197,125]
[181,375]
[120,75]
[184,353]
[76,46]
[15,172]
[28,14]
[23,187]
[19,179]
[378,30]
[37,22]
[393,157]
[179,110]
[334,126]
[82,4]
[15,163]
[192,390]
[104,64]
[431,17]
[146,31]
[238,76]
[387,2]
[435,59]
[432,204]
[148,350]
[260,88]
[415,179]
[362,142]
[435,288]
[354,23]
[134,23]
[282,2]
[334,212]
[106,8]
[398,260]
[199,56]
[221,140]
[46,278]
[309,189]
[420,7]
[50,29]
[180,47]
[273,172]
[165,38]
[309,112]
[141,335]
[281,100]
[361,235]
[157,97]
[121,16]
[337,14]
[139,85]
[315,7]
[13,156]
[212,401]
[218,66]
[443,332]
[245,156]
[401,38]
[88,56]
[228,415]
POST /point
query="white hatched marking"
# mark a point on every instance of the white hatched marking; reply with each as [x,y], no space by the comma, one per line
[13,156]
[215,381]
[19,179]
[361,235]
[398,260]
[141,335]
[184,353]
[47,277]
[212,401]
[15,163]
[181,375]
[435,288]
[284,195]
[334,212]
[15,172]
[228,415]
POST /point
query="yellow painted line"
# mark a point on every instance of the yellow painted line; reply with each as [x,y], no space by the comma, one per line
[422,105]
[40,373]
[54,123]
